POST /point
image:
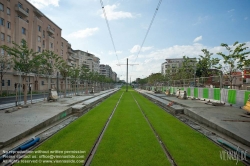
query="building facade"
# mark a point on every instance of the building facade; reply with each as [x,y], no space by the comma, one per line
[172,65]
[106,70]
[21,20]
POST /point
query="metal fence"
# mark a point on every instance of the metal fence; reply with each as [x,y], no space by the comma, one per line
[37,86]
[238,82]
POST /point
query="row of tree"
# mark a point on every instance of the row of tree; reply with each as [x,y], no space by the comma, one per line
[46,63]
[234,60]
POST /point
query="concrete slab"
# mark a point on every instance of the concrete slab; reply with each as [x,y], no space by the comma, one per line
[15,125]
[26,120]
[225,119]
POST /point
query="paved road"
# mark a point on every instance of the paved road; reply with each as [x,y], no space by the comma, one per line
[12,99]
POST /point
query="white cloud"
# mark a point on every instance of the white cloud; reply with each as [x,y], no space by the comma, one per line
[43,3]
[83,33]
[245,18]
[199,38]
[115,15]
[112,52]
[136,48]
[230,10]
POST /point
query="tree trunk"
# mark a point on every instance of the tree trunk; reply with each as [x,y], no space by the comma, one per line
[65,87]
[25,91]
[1,89]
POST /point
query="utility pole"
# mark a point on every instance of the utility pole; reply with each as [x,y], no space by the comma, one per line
[127,71]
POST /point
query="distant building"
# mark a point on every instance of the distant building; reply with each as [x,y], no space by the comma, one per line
[106,70]
[89,60]
[114,76]
[173,64]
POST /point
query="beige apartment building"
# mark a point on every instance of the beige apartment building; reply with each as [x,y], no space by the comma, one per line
[19,20]
[89,60]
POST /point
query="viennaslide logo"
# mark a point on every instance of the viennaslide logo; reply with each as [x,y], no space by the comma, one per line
[236,155]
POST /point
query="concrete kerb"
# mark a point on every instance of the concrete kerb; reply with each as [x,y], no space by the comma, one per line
[208,123]
[39,126]
[62,115]
[187,111]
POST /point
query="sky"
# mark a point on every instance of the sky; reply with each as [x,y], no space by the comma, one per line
[180,27]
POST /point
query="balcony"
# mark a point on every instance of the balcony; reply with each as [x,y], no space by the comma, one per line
[21,11]
[51,30]
[71,58]
[38,13]
[70,51]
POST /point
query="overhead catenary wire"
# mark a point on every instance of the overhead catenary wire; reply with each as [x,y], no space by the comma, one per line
[156,10]
[110,34]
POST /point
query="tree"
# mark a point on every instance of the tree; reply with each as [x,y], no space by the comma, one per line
[6,64]
[25,61]
[49,64]
[64,70]
[235,60]
[206,63]
[75,74]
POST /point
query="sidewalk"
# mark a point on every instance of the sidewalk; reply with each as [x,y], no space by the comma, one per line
[15,125]
[225,119]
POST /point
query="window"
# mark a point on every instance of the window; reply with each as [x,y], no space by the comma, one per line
[20,5]
[39,39]
[8,82]
[19,16]
[8,11]
[51,45]
[1,21]
[62,53]
[43,44]
[38,49]
[2,36]
[62,44]
[8,39]
[39,28]
[2,51]
[1,7]
[8,24]
[2,82]
[43,34]
[42,82]
[23,30]
[27,10]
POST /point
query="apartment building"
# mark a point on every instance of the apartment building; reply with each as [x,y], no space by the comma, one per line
[87,59]
[19,19]
[114,76]
[173,64]
[106,70]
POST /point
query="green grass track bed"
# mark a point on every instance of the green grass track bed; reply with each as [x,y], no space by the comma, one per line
[187,146]
[129,140]
[80,135]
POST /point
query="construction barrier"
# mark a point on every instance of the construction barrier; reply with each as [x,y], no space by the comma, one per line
[228,96]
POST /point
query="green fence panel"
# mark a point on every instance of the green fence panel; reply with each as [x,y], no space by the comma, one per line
[171,90]
[182,88]
[195,92]
[216,94]
[247,93]
[189,92]
[231,97]
[205,93]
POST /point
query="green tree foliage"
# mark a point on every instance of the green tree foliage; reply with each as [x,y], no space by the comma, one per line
[234,60]
[25,61]
[206,63]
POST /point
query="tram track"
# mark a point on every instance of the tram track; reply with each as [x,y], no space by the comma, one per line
[45,135]
[212,135]
[99,138]
[168,155]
